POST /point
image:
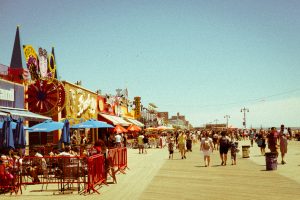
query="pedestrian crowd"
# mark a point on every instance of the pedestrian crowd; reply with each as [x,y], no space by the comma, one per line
[225,141]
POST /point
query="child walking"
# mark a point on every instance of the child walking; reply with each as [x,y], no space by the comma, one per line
[234,149]
[171,147]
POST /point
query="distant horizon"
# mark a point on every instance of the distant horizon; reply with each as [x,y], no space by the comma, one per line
[203,59]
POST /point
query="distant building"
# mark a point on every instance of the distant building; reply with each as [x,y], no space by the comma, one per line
[163,117]
[215,126]
[179,121]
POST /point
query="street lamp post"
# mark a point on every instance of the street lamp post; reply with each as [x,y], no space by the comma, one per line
[216,120]
[244,110]
[227,117]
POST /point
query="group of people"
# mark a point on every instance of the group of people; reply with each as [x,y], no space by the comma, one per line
[143,143]
[223,143]
[227,140]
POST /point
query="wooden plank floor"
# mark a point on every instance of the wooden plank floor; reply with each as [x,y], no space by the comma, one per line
[189,179]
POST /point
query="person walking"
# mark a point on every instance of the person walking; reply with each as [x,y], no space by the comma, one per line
[206,146]
[261,141]
[272,141]
[233,150]
[118,140]
[171,147]
[141,143]
[146,141]
[215,140]
[224,144]
[283,143]
[251,136]
[181,144]
[189,142]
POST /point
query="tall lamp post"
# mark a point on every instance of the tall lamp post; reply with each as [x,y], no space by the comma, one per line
[227,118]
[244,110]
[216,120]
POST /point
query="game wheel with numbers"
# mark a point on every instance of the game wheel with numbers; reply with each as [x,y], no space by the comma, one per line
[46,97]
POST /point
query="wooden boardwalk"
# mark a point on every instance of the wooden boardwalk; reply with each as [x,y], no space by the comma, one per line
[153,176]
[189,179]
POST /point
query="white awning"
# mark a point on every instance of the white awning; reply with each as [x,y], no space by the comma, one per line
[3,114]
[18,112]
[136,122]
[116,120]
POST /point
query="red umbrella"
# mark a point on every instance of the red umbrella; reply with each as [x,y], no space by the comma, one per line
[119,129]
[134,128]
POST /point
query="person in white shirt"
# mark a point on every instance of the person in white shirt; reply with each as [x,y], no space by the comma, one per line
[141,143]
[66,152]
[206,146]
[118,140]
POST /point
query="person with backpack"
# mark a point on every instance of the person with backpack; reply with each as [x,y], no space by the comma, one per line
[206,146]
[261,141]
[224,144]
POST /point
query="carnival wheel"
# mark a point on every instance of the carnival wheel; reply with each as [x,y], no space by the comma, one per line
[46,97]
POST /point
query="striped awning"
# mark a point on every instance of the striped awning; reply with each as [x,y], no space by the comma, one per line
[135,122]
[115,120]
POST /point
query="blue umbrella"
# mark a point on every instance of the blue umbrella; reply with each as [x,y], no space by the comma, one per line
[47,126]
[7,134]
[92,123]
[65,135]
[20,134]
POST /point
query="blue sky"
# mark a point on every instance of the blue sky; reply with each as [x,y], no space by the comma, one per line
[204,59]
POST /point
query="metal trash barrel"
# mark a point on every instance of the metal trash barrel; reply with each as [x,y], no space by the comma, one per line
[246,151]
[271,161]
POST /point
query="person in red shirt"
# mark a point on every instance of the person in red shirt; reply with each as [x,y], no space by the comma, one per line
[272,141]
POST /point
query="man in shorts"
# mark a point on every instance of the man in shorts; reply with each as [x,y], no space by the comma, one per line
[141,143]
[181,144]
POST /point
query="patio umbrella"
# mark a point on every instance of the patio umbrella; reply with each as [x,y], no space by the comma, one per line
[20,139]
[151,129]
[92,123]
[134,128]
[47,126]
[7,138]
[164,128]
[65,135]
[119,129]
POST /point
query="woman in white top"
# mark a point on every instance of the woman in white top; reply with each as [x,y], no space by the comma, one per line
[207,148]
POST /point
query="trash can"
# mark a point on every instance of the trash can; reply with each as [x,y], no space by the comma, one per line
[271,161]
[246,151]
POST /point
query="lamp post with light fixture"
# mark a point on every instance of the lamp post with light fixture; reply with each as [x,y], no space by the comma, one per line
[227,117]
[244,110]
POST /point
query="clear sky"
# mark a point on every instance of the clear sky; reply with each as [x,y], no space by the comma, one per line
[204,59]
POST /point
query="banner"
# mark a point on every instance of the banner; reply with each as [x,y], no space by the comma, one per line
[43,62]
[31,61]
[137,109]
[51,65]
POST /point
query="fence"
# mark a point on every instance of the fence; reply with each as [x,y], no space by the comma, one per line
[68,172]
[118,157]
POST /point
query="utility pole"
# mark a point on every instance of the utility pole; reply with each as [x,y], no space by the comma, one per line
[216,120]
[244,110]
[227,117]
